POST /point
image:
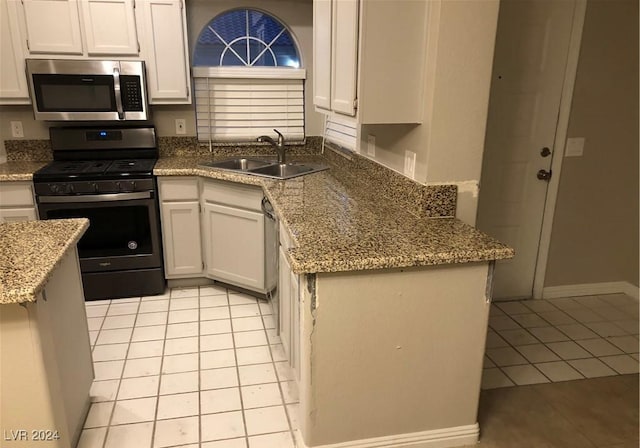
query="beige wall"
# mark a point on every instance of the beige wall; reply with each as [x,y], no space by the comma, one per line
[297,14]
[595,229]
[449,144]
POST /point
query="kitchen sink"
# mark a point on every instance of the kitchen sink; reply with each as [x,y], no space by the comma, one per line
[285,171]
[238,164]
[266,168]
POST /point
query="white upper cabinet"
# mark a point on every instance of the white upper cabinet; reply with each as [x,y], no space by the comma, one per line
[13,83]
[344,60]
[369,59]
[162,26]
[322,53]
[52,27]
[110,27]
[152,30]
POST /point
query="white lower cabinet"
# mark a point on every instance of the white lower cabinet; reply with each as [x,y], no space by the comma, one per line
[181,234]
[234,245]
[180,219]
[17,202]
[216,229]
[289,307]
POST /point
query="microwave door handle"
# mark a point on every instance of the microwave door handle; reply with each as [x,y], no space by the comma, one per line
[116,89]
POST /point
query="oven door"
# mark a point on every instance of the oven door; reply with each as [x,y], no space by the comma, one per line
[123,232]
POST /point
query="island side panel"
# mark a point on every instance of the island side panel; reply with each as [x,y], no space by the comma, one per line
[67,350]
[25,403]
[391,352]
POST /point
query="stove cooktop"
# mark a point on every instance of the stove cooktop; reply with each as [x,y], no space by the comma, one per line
[95,169]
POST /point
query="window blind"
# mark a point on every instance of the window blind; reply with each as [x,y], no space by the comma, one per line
[342,131]
[237,109]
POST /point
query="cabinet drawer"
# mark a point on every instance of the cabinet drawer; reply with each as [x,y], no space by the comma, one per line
[235,195]
[16,194]
[178,189]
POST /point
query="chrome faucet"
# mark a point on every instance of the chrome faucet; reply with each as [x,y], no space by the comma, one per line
[279,145]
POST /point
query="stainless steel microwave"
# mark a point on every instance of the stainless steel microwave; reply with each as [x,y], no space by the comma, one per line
[87,90]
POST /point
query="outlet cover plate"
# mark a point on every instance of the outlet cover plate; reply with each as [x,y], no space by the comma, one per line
[181,126]
[16,129]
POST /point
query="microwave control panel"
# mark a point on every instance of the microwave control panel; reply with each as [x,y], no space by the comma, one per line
[131,93]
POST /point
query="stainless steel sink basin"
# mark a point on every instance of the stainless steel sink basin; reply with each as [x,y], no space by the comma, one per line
[286,171]
[265,168]
[238,164]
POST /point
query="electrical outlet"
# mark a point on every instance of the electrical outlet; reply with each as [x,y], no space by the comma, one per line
[575,147]
[16,129]
[181,126]
[410,164]
[371,145]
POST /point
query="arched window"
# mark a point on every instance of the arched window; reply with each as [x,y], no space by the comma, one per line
[248,80]
[246,37]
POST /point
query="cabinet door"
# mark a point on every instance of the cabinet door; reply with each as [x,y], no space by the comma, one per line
[322,53]
[18,214]
[284,297]
[13,82]
[110,27]
[344,56]
[163,44]
[52,26]
[181,237]
[234,246]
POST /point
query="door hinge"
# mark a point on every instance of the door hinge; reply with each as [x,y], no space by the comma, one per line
[28,48]
[203,265]
[355,104]
[138,47]
[199,207]
[181,4]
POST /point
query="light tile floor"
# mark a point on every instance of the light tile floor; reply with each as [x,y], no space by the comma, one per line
[542,341]
[195,367]
[203,367]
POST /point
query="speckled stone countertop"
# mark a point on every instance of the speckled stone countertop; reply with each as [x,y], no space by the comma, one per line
[31,251]
[339,223]
[17,171]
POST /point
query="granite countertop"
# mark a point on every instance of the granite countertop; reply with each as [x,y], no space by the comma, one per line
[339,223]
[17,171]
[31,251]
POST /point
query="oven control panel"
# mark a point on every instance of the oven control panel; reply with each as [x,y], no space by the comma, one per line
[93,187]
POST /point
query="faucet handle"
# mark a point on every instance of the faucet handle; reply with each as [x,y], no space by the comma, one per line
[280,137]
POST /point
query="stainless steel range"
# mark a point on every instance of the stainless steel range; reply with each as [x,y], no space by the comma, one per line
[106,175]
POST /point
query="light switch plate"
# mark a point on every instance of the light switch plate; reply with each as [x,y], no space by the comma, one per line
[575,147]
[410,164]
[371,145]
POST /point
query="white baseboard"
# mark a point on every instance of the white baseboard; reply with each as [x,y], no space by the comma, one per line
[437,438]
[590,289]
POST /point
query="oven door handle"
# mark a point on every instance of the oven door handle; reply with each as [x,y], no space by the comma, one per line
[95,197]
[117,92]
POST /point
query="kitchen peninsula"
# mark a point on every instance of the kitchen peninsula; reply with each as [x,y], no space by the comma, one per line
[389,299]
[45,358]
[388,296]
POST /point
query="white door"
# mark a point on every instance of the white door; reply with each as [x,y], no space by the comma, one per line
[234,240]
[344,56]
[101,18]
[53,26]
[181,237]
[13,82]
[528,71]
[322,53]
[163,44]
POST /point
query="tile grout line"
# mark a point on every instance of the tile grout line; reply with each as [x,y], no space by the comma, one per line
[237,367]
